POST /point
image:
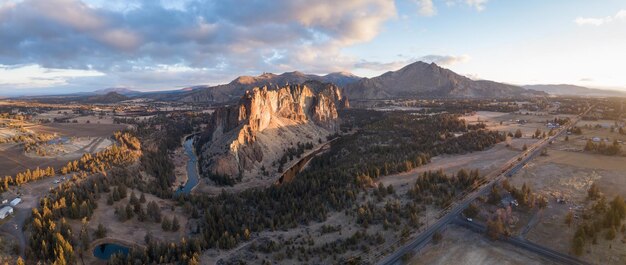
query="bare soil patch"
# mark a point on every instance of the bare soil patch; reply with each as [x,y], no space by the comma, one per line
[460,246]
[568,176]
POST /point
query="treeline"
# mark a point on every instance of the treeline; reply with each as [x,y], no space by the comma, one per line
[26,176]
[464,106]
[126,151]
[397,142]
[78,200]
[604,219]
[293,152]
[603,148]
[435,187]
[158,164]
[51,238]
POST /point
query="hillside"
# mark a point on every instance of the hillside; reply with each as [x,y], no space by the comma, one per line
[420,79]
[118,90]
[572,90]
[253,135]
[236,88]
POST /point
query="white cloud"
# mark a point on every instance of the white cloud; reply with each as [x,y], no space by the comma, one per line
[581,21]
[441,60]
[426,8]
[34,75]
[479,5]
[445,60]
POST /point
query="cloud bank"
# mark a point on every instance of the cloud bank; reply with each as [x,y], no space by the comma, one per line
[116,37]
[583,21]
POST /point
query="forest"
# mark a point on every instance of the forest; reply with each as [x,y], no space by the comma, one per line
[384,143]
[391,142]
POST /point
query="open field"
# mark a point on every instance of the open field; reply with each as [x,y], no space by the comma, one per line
[94,119]
[72,148]
[568,175]
[485,161]
[460,246]
[14,160]
[79,130]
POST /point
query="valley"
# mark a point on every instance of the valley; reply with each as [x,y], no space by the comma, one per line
[323,132]
[300,174]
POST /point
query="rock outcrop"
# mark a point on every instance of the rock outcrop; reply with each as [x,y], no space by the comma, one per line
[252,135]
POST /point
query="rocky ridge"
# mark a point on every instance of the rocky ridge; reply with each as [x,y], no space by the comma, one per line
[245,140]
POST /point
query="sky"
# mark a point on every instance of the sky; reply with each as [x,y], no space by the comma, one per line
[66,46]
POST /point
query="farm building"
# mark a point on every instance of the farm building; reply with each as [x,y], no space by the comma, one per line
[15,201]
[5,211]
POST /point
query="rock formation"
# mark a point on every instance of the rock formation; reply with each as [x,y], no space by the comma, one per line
[255,133]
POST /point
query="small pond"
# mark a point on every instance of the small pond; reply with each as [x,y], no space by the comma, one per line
[105,251]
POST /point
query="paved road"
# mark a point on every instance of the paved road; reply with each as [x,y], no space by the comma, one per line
[524,244]
[14,227]
[507,170]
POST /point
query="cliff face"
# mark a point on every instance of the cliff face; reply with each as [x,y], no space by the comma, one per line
[254,133]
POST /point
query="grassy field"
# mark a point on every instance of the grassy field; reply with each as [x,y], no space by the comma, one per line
[568,174]
[14,160]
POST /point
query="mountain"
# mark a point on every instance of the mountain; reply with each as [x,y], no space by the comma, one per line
[111,97]
[340,79]
[233,90]
[247,139]
[572,90]
[421,79]
[118,90]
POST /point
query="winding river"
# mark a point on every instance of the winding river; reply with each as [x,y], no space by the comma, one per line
[192,167]
[104,251]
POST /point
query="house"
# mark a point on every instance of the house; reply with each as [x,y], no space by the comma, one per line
[508,200]
[596,139]
[15,201]
[5,211]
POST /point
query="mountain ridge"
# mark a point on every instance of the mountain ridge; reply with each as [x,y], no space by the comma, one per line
[421,79]
[237,87]
[574,90]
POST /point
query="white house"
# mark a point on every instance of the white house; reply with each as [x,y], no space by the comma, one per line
[5,211]
[15,201]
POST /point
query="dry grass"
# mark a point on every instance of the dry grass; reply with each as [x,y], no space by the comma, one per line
[460,247]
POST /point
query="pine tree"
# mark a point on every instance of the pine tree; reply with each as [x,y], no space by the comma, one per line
[175,224]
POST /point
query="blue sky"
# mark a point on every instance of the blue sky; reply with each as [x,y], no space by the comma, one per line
[60,46]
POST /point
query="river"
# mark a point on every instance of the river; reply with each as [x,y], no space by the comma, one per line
[192,167]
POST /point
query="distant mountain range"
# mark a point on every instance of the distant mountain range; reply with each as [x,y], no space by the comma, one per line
[572,90]
[236,88]
[421,79]
[416,80]
[119,90]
